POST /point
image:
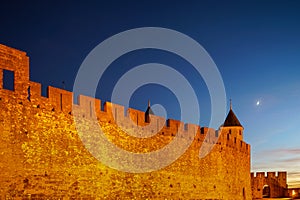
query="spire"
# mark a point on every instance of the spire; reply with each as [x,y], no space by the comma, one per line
[231,119]
[148,103]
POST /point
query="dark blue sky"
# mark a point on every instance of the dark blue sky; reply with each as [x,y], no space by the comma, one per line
[255,45]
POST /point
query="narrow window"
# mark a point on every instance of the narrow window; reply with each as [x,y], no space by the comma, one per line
[90,109]
[202,130]
[29,94]
[8,80]
[216,134]
[116,114]
[60,102]
[185,127]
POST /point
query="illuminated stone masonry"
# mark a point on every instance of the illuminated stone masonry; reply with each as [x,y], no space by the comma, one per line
[272,185]
[42,156]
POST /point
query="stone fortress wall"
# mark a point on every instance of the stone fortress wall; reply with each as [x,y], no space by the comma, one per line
[42,156]
[270,185]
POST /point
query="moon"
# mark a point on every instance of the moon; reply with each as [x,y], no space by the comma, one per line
[257,103]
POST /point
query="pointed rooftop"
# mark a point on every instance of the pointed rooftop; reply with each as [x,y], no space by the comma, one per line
[231,119]
[149,110]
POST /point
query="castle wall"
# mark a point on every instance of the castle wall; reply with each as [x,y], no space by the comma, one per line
[277,184]
[42,156]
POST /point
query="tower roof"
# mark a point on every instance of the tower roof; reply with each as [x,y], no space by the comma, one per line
[231,119]
[149,110]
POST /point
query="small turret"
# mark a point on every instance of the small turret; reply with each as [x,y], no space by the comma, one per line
[148,113]
[232,125]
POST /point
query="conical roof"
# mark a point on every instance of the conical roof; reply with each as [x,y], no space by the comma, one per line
[149,110]
[231,119]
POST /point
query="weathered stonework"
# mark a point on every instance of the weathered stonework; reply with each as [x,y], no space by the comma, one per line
[42,156]
[269,186]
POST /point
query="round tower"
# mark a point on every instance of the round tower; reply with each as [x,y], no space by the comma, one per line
[232,125]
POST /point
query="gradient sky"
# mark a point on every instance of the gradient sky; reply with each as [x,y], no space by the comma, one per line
[255,45]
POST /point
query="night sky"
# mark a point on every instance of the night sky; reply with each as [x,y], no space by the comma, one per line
[255,45]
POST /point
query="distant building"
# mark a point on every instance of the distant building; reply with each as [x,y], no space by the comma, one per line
[294,193]
[272,186]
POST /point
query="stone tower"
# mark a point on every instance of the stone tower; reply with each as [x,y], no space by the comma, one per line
[232,125]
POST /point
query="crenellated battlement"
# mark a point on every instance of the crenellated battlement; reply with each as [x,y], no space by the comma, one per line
[269,175]
[60,100]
